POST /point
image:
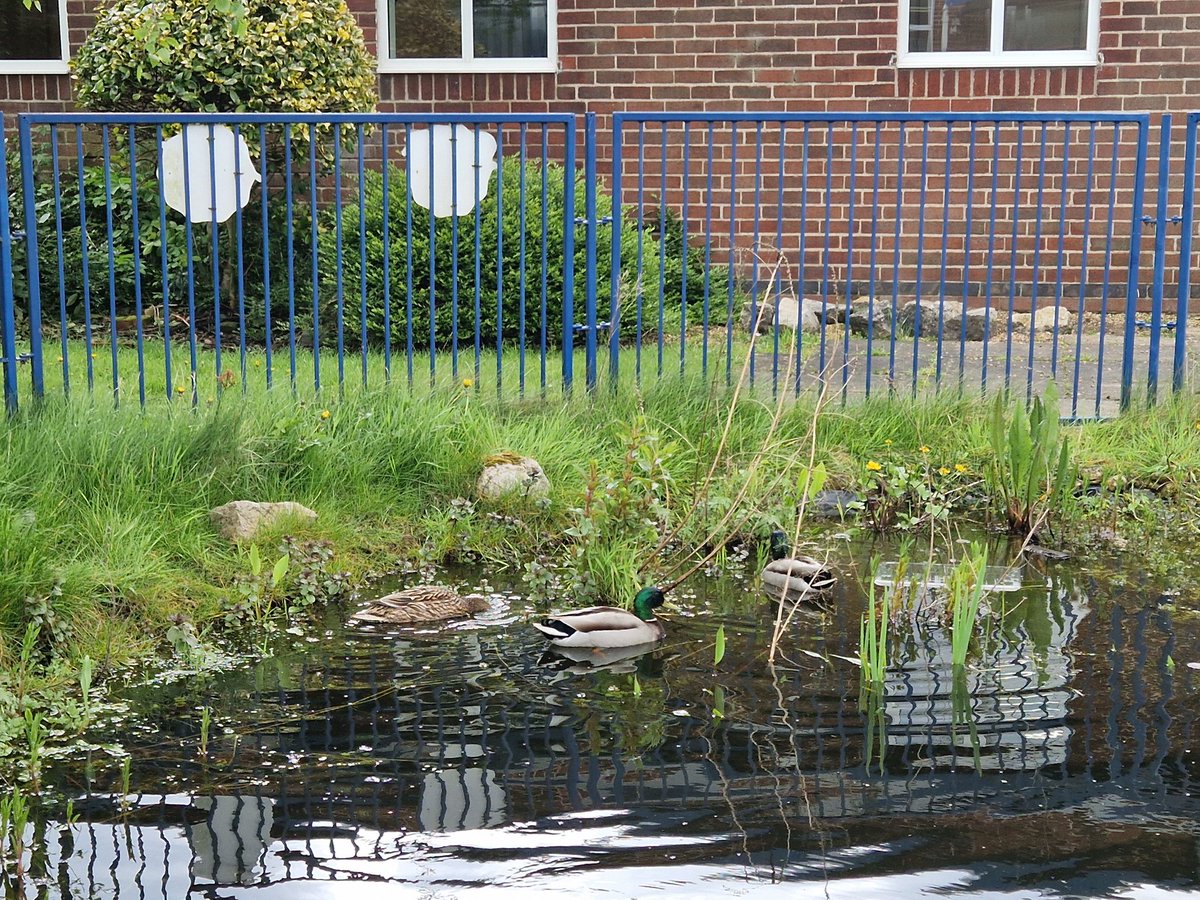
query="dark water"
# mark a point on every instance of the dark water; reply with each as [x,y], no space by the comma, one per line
[461,762]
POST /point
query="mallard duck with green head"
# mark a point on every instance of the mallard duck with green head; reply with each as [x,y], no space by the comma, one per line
[424,603]
[607,626]
[794,577]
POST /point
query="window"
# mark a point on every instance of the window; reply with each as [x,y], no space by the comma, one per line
[33,40]
[467,35]
[998,32]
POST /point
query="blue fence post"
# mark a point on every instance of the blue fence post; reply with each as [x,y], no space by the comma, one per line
[590,225]
[614,301]
[8,347]
[1160,254]
[31,255]
[568,306]
[1135,240]
[1187,220]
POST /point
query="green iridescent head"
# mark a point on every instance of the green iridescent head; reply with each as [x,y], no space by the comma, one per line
[646,601]
[781,547]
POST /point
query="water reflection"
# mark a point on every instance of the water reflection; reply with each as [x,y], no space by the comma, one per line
[451,763]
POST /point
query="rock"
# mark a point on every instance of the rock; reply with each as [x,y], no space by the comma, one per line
[951,323]
[1043,320]
[523,477]
[877,315]
[806,315]
[832,504]
[241,520]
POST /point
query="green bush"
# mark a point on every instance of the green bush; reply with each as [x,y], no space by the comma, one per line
[499,239]
[181,55]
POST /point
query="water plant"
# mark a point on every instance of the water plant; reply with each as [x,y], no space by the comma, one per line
[966,590]
[1031,475]
[14,821]
[873,629]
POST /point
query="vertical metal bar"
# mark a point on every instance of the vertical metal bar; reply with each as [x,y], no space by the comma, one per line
[920,253]
[263,196]
[1013,258]
[408,253]
[137,264]
[1061,251]
[215,243]
[1188,216]
[941,325]
[478,265]
[1083,267]
[84,258]
[849,259]
[1160,255]
[315,248]
[499,260]
[241,262]
[683,251]
[589,214]
[339,266]
[778,280]
[568,323]
[801,283]
[29,198]
[1114,164]
[873,256]
[730,322]
[545,267]
[454,250]
[56,172]
[386,170]
[1135,240]
[966,271]
[112,267]
[191,268]
[433,258]
[991,255]
[896,253]
[827,251]
[1039,220]
[522,207]
[362,249]
[708,205]
[289,196]
[662,245]
[8,324]
[641,249]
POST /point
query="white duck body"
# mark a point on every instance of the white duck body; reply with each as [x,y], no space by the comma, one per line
[794,577]
[607,626]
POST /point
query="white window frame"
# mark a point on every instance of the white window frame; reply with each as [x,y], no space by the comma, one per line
[466,63]
[43,66]
[997,57]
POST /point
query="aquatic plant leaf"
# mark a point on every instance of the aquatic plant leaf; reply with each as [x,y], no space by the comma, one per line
[255,561]
[280,571]
[719,648]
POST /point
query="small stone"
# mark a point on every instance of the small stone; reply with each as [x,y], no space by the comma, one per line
[1043,320]
[832,504]
[241,520]
[524,478]
[793,314]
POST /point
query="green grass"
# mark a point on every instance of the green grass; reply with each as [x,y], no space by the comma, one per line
[111,504]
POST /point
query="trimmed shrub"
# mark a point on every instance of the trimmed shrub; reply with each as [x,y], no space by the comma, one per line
[500,223]
[180,55]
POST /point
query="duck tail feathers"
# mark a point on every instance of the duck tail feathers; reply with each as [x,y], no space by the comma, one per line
[555,629]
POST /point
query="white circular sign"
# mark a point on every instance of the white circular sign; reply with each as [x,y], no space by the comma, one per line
[216,179]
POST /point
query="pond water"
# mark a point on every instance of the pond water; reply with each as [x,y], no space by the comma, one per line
[466,761]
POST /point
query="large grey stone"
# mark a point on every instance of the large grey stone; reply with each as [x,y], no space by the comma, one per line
[871,318]
[793,313]
[523,478]
[1044,319]
[947,316]
[241,520]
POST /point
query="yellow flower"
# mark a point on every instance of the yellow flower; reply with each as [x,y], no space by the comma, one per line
[873,466]
[923,448]
[179,390]
[960,467]
[324,414]
[467,382]
[60,359]
[943,471]
[887,442]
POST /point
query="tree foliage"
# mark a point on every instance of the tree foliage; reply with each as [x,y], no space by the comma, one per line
[224,56]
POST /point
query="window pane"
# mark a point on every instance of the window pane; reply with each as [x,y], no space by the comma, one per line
[28,33]
[510,28]
[1045,24]
[426,29]
[940,26]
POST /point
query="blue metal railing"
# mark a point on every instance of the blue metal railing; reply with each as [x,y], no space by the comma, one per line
[936,232]
[907,249]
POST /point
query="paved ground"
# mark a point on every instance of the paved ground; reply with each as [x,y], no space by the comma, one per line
[1086,367]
